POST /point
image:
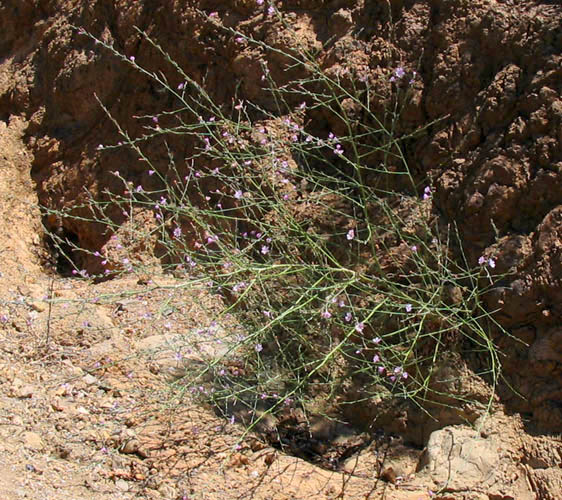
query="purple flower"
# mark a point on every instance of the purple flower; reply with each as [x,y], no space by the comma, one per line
[338,150]
[238,194]
[326,314]
[177,232]
[348,317]
[376,358]
[264,249]
[350,234]
[359,327]
[377,340]
[427,193]
[408,308]
[258,348]
[397,74]
[483,261]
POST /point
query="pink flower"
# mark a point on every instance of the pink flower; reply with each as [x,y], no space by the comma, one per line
[359,327]
[326,314]
[350,234]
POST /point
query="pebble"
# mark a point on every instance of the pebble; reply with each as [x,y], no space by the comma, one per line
[33,440]
[122,485]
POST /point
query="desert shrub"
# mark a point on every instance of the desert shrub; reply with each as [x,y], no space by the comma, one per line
[324,246]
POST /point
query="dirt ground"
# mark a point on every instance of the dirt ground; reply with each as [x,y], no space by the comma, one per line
[86,405]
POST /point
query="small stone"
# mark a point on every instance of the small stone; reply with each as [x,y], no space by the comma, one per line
[25,391]
[130,447]
[33,440]
[167,491]
[58,404]
[122,485]
[89,379]
[82,411]
[38,306]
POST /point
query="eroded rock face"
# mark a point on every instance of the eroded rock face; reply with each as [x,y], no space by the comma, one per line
[489,71]
[459,459]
